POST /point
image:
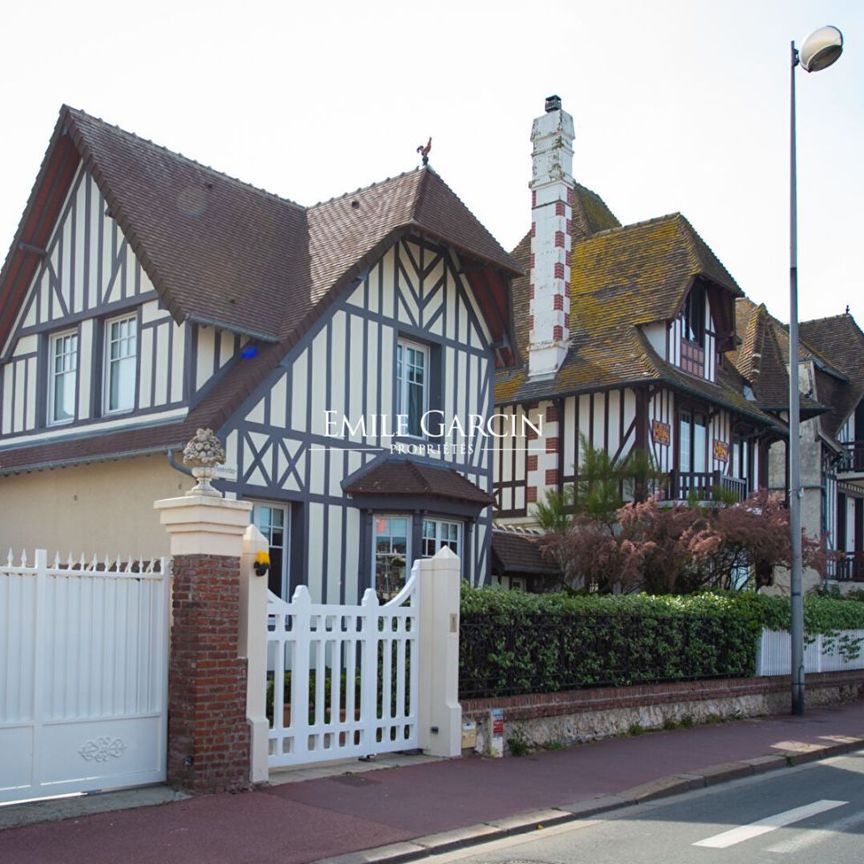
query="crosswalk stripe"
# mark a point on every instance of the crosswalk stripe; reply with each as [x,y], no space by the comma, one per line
[807,839]
[764,826]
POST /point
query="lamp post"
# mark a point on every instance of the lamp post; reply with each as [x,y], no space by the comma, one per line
[820,49]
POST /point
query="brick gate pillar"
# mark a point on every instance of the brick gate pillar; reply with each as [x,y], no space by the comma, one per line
[208,735]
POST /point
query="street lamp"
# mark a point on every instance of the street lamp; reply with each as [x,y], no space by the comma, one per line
[820,49]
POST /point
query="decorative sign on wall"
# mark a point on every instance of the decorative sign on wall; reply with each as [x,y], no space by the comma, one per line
[721,451]
[660,433]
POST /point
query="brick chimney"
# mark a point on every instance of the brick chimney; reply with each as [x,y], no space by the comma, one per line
[551,214]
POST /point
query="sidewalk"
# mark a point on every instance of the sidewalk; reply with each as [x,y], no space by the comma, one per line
[300,822]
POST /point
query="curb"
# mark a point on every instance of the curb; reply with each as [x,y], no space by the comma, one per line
[534,820]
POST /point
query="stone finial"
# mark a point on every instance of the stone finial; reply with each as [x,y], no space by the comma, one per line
[203,454]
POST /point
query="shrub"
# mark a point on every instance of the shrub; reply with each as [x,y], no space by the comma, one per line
[521,643]
[515,643]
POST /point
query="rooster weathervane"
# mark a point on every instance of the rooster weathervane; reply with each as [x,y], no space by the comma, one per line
[423,150]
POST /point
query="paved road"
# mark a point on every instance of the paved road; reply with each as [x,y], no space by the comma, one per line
[812,813]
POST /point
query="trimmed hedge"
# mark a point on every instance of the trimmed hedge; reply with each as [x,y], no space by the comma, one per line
[514,643]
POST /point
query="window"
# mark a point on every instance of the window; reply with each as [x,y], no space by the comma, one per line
[694,316]
[412,386]
[692,443]
[391,548]
[740,458]
[272,522]
[437,535]
[684,439]
[121,337]
[63,372]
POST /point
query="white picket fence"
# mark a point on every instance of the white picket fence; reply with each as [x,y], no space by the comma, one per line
[83,675]
[820,655]
[353,676]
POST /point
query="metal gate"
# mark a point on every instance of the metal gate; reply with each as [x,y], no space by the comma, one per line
[349,677]
[83,675]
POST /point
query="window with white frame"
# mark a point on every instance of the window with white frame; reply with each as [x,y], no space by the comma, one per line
[62,378]
[272,521]
[121,350]
[391,546]
[412,385]
[437,534]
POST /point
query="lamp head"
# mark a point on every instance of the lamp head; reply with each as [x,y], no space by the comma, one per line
[821,48]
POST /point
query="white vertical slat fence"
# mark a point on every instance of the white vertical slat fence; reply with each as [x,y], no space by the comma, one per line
[822,654]
[353,673]
[83,674]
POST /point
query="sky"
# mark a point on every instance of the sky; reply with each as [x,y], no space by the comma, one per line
[678,105]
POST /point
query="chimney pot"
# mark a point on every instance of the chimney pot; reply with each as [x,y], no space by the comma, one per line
[553,103]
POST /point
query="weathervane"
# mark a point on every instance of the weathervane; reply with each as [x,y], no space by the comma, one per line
[424,151]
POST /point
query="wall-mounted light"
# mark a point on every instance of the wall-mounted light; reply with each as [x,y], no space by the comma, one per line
[262,563]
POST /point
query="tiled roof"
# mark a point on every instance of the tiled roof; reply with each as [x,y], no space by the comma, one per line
[413,479]
[761,357]
[515,554]
[833,345]
[590,213]
[841,341]
[620,279]
[227,253]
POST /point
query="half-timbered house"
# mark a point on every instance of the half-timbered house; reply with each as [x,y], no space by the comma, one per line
[622,332]
[831,376]
[145,296]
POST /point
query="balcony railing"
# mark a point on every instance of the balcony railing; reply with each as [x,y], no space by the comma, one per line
[852,460]
[848,568]
[703,485]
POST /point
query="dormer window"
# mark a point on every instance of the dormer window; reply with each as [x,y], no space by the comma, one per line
[694,316]
[692,322]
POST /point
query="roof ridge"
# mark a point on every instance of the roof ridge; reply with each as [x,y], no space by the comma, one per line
[362,189]
[68,109]
[642,223]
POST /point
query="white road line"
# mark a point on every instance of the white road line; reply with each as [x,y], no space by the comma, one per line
[818,835]
[771,823]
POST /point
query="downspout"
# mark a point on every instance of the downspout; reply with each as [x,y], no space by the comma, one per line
[172,461]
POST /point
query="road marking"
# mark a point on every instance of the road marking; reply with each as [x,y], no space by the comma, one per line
[817,835]
[764,826]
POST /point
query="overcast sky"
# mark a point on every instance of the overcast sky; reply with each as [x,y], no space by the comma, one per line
[678,106]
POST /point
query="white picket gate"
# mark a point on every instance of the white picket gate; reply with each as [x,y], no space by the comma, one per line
[83,675]
[352,675]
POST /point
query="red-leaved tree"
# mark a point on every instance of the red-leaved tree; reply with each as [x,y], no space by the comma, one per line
[680,549]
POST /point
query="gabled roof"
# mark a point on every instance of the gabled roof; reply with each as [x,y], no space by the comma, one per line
[646,268]
[621,279]
[222,252]
[840,340]
[762,358]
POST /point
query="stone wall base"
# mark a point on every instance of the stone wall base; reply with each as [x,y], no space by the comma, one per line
[575,716]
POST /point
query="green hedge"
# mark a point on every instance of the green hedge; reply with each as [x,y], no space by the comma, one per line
[515,643]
